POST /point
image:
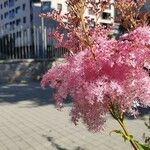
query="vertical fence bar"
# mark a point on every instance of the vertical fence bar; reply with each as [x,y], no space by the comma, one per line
[38,42]
[6,46]
[15,43]
[34,38]
[48,42]
[22,43]
[11,46]
[28,43]
[1,56]
[45,42]
[19,44]
[25,44]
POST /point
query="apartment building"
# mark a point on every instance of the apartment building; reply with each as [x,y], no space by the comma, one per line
[14,14]
[18,13]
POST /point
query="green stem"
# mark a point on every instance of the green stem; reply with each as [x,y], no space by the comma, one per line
[119,118]
[134,145]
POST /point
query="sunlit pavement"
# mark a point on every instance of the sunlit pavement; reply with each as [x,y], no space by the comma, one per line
[30,121]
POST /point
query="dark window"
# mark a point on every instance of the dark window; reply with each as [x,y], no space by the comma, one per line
[11,3]
[46,7]
[5,3]
[59,6]
[11,25]
[17,9]
[6,25]
[11,14]
[1,17]
[24,19]
[18,21]
[23,6]
[6,15]
[31,17]
[1,6]
[105,15]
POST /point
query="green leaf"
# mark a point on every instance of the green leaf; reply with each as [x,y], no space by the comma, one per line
[142,146]
[116,131]
[125,137]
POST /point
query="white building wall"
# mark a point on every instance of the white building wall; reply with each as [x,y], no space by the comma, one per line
[110,11]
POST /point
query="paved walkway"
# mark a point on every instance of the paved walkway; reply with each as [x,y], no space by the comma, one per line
[29,121]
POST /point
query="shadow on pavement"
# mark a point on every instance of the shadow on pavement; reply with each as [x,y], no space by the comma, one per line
[57,146]
[32,92]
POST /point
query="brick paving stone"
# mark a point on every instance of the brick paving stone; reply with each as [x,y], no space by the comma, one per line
[3,147]
[29,121]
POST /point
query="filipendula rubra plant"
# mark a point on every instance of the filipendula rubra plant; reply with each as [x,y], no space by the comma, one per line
[101,74]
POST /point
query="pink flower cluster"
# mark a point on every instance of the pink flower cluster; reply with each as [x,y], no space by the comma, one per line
[116,75]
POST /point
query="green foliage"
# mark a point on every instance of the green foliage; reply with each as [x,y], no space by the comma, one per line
[125,137]
[142,146]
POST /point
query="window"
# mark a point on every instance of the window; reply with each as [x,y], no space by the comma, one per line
[6,15]
[11,25]
[11,14]
[46,7]
[1,17]
[24,19]
[11,3]
[104,24]
[1,6]
[23,6]
[6,25]
[5,4]
[17,9]
[105,15]
[31,17]
[59,7]
[18,21]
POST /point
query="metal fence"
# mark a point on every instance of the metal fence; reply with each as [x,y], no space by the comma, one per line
[28,43]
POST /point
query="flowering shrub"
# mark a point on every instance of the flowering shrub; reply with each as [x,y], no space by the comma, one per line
[116,75]
[100,74]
